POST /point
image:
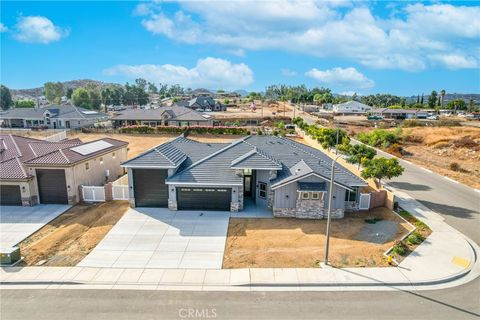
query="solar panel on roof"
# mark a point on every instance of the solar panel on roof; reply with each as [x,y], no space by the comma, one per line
[89,112]
[92,147]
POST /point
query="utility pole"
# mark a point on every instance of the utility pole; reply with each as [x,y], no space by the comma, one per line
[329,213]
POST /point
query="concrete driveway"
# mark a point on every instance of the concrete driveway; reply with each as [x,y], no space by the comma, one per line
[160,238]
[17,223]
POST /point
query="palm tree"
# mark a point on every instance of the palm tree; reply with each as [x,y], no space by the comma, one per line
[442,94]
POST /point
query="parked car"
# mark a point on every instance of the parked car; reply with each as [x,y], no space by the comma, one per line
[208,110]
[200,110]
[432,117]
[375,117]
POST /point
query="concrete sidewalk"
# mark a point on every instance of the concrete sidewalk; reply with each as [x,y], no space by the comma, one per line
[444,260]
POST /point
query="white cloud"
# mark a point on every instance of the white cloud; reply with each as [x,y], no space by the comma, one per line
[455,61]
[3,28]
[209,72]
[348,93]
[408,39]
[344,77]
[38,29]
[288,73]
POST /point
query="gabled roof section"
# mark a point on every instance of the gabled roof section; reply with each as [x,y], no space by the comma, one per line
[256,159]
[165,155]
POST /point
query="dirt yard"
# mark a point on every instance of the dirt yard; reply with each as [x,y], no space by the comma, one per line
[70,237]
[138,143]
[262,110]
[288,243]
[450,151]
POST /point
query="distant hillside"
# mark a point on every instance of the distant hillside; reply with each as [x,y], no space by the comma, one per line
[73,84]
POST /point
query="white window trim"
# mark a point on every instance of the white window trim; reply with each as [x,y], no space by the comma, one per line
[260,190]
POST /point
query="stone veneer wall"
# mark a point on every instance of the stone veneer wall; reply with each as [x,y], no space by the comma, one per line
[308,209]
[172,205]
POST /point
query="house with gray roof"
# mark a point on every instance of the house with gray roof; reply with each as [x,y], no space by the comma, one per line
[351,107]
[52,117]
[202,103]
[164,116]
[36,171]
[275,173]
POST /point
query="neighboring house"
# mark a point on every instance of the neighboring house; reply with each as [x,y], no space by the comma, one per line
[202,104]
[164,116]
[52,117]
[401,114]
[36,171]
[351,107]
[285,176]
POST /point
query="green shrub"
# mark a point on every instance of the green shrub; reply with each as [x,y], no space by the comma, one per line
[406,215]
[379,138]
[400,248]
[415,238]
[373,220]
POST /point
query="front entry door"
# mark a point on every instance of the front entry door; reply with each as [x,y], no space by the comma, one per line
[247,186]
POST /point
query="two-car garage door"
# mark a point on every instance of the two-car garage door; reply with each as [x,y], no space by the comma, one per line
[204,198]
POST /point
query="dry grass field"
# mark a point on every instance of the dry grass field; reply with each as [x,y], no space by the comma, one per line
[450,151]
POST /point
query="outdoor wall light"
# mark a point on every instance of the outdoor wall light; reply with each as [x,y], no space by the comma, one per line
[68,187]
[234,190]
[287,196]
[23,188]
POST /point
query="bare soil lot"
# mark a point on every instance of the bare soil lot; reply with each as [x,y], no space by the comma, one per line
[262,110]
[138,143]
[269,243]
[70,237]
[450,151]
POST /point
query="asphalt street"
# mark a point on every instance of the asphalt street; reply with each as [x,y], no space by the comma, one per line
[122,304]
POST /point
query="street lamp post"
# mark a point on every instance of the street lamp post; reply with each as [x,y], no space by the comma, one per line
[329,213]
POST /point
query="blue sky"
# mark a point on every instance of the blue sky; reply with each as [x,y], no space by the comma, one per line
[404,48]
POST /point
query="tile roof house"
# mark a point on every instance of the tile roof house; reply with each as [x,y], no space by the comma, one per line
[274,173]
[37,171]
[53,117]
[202,104]
[164,116]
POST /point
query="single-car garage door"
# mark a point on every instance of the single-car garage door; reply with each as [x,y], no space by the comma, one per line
[149,188]
[10,196]
[52,186]
[204,198]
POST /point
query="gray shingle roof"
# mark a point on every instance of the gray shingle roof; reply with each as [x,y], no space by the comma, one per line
[57,112]
[175,113]
[215,167]
[256,159]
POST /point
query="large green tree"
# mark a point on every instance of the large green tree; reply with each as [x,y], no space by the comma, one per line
[432,99]
[24,104]
[53,91]
[5,98]
[81,98]
[457,104]
[381,168]
[360,153]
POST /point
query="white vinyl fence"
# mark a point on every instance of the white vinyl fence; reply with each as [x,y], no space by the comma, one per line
[364,201]
[120,188]
[93,194]
[57,136]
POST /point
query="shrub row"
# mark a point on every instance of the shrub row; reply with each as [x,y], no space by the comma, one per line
[193,130]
